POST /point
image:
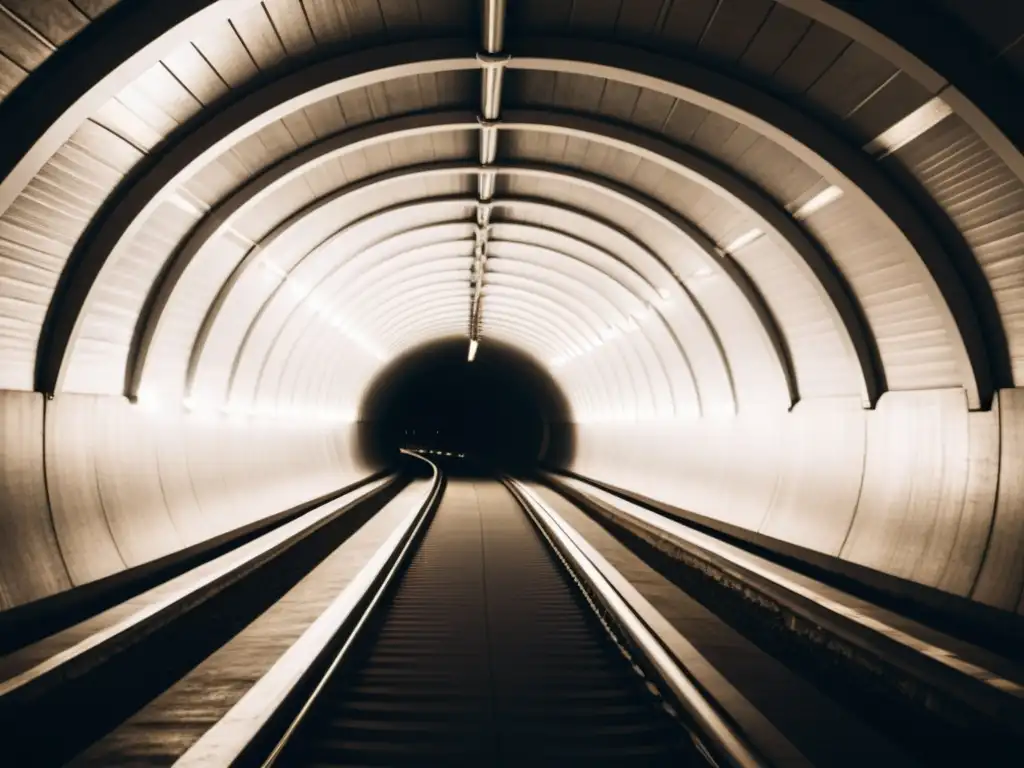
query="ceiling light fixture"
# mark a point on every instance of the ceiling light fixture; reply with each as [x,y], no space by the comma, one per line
[744,240]
[826,197]
[904,131]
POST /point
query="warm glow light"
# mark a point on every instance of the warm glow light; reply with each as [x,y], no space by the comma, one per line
[901,133]
[825,197]
[473,344]
[744,240]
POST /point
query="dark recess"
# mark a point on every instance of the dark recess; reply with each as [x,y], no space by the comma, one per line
[503,410]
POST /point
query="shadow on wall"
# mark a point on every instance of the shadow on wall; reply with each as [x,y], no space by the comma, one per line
[503,409]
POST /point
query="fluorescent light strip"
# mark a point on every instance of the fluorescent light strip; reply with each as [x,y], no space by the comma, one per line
[744,240]
[473,344]
[824,198]
[903,132]
[188,203]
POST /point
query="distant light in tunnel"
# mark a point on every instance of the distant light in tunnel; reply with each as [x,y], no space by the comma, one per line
[473,344]
[744,240]
[826,197]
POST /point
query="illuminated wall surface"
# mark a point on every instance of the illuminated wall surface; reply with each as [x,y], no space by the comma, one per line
[762,261]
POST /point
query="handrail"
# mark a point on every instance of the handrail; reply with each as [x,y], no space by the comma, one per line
[726,742]
[263,716]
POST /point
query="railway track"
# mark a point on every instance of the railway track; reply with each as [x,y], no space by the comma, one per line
[482,641]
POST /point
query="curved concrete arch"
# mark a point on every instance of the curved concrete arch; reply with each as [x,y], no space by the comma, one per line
[799,133]
[505,203]
[242,116]
[595,296]
[841,163]
[390,177]
[381,319]
[219,217]
[558,299]
[771,216]
[587,331]
[231,117]
[935,52]
[444,229]
[673,221]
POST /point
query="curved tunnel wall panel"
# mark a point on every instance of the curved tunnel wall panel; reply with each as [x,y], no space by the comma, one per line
[905,314]
[1001,579]
[128,478]
[79,518]
[31,564]
[823,363]
[96,358]
[920,488]
[122,484]
[178,487]
[820,474]
[971,543]
[985,200]
[915,484]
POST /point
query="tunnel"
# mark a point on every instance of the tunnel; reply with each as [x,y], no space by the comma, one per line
[500,409]
[756,265]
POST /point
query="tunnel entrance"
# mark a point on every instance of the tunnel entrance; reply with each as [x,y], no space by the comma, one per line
[500,411]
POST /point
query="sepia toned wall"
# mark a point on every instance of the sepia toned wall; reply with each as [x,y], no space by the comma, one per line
[919,488]
[92,485]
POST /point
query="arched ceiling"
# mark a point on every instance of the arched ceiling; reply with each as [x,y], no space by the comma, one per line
[682,209]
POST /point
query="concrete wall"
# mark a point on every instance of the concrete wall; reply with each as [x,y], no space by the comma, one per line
[919,488]
[92,485]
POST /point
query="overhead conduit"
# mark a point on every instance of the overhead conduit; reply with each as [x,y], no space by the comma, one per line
[752,313]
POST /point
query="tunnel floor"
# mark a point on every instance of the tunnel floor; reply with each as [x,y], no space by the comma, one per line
[485,644]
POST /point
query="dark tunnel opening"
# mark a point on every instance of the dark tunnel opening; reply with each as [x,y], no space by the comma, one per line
[502,411]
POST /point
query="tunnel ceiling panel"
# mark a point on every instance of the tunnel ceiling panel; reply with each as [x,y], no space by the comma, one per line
[682,209]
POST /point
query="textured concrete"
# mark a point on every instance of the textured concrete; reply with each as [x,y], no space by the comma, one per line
[114,485]
[920,488]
